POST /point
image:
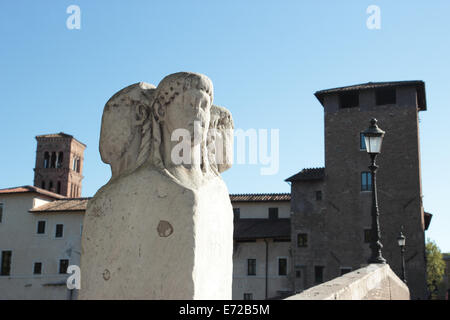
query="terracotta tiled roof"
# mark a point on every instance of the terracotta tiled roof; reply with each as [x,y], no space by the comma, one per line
[420,85]
[79,204]
[250,229]
[260,197]
[24,189]
[66,205]
[308,174]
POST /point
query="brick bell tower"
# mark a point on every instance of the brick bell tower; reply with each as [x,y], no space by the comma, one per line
[59,164]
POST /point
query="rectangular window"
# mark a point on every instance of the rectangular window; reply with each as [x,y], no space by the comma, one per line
[345,270]
[63,265]
[349,99]
[41,227]
[302,240]
[366,181]
[59,231]
[319,195]
[298,273]
[367,235]
[251,267]
[37,268]
[236,213]
[248,296]
[385,96]
[282,266]
[318,274]
[362,142]
[6,263]
[1,212]
[273,213]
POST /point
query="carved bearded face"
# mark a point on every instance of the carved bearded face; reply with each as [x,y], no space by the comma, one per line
[190,111]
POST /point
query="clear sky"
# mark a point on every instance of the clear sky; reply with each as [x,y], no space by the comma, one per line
[266,59]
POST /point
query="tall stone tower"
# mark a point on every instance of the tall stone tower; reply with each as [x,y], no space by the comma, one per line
[59,164]
[332,205]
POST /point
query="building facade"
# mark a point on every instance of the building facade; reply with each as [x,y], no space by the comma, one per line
[40,236]
[59,164]
[331,206]
[37,246]
[262,260]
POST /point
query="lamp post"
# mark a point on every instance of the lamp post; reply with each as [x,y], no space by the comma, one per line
[373,138]
[401,240]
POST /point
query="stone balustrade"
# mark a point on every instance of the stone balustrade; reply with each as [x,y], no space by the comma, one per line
[373,282]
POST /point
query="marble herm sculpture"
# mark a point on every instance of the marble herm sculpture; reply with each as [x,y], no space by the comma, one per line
[161,229]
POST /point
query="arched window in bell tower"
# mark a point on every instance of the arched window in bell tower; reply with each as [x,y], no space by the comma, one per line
[53,160]
[43,185]
[58,187]
[50,185]
[46,159]
[60,160]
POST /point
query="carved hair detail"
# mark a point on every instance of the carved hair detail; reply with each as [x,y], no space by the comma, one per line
[221,124]
[133,103]
[175,84]
[133,121]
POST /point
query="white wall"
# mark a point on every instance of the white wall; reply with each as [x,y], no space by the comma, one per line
[243,283]
[18,233]
[260,210]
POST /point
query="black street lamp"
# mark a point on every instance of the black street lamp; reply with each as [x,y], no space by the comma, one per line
[373,137]
[401,240]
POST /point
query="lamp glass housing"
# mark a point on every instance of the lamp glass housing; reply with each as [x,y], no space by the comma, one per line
[373,137]
[401,240]
[373,143]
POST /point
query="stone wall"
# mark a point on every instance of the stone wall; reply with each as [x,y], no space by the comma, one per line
[336,225]
[373,282]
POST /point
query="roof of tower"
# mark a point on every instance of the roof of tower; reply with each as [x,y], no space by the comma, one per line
[419,84]
[308,174]
[59,135]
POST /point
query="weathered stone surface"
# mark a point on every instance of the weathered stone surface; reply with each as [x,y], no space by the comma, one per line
[374,282]
[122,128]
[160,229]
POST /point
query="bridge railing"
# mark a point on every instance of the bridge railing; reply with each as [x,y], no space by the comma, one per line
[373,282]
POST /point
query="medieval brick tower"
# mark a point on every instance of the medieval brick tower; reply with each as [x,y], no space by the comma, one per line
[332,206]
[59,164]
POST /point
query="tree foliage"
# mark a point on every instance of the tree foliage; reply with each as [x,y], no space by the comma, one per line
[435,267]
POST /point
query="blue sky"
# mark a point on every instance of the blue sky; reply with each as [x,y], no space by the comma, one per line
[266,59]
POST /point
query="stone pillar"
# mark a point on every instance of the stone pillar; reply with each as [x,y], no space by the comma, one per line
[158,229]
